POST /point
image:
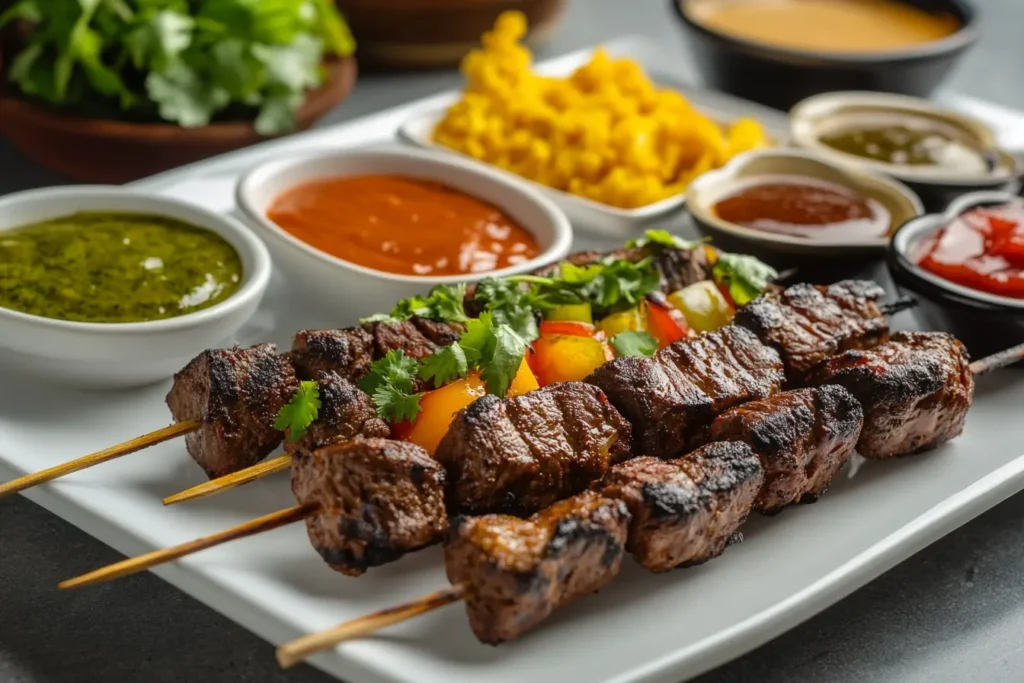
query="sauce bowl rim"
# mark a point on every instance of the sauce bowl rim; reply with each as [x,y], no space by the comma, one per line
[966,35]
[249,248]
[810,110]
[727,173]
[914,276]
[562,232]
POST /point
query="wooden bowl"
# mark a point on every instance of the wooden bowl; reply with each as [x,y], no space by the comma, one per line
[428,34]
[109,151]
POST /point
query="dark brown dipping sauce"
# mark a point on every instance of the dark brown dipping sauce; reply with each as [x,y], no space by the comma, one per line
[804,207]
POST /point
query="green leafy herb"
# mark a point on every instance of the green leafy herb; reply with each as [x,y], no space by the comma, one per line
[632,343]
[444,365]
[609,286]
[509,303]
[389,383]
[663,238]
[302,411]
[185,61]
[745,277]
[502,358]
[443,303]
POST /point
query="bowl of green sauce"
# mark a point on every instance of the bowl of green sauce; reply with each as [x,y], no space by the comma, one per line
[107,287]
[941,154]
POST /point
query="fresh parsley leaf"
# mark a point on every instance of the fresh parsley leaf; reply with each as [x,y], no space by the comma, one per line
[395,369]
[663,238]
[745,277]
[444,365]
[395,405]
[502,360]
[633,343]
[302,411]
[510,304]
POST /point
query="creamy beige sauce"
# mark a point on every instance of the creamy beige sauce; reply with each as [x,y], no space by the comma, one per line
[824,25]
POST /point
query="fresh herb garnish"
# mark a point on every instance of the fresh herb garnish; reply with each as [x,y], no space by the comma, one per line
[663,238]
[634,343]
[509,303]
[302,411]
[496,350]
[444,365]
[744,276]
[187,62]
[389,383]
[443,303]
[609,286]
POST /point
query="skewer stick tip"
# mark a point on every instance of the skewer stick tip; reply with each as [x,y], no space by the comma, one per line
[293,653]
[230,481]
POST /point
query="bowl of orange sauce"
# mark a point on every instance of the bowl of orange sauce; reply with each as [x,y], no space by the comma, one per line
[966,267]
[365,228]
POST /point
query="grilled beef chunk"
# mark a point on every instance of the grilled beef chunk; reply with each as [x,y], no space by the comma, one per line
[802,438]
[806,323]
[378,499]
[345,414]
[236,393]
[915,390]
[520,570]
[347,352]
[673,396]
[404,336]
[521,454]
[440,333]
[685,511]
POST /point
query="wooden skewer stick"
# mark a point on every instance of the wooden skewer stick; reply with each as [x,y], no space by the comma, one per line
[230,481]
[292,653]
[998,360]
[136,444]
[142,562]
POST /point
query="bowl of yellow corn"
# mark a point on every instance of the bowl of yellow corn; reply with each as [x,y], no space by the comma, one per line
[615,150]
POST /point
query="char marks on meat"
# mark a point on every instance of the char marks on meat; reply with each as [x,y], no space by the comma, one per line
[520,570]
[236,393]
[802,438]
[378,500]
[346,352]
[345,413]
[915,389]
[672,397]
[686,511]
[439,332]
[807,324]
[521,454]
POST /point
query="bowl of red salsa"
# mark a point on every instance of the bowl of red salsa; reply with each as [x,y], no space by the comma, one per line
[966,265]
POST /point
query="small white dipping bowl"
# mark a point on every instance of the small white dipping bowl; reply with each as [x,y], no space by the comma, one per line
[351,290]
[117,355]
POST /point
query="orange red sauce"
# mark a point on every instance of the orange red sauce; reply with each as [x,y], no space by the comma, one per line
[402,225]
[982,249]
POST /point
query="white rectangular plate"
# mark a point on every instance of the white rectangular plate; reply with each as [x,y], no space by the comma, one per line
[642,628]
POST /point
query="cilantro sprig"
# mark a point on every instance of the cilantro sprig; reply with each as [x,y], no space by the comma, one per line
[608,286]
[389,384]
[298,414]
[443,303]
[496,350]
[511,303]
[744,276]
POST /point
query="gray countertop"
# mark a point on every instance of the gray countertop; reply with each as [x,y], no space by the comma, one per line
[953,612]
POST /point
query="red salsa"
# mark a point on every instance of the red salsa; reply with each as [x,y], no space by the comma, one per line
[982,249]
[806,207]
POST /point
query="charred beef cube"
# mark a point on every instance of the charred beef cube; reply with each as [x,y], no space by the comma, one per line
[518,571]
[672,397]
[439,332]
[404,336]
[807,324]
[521,454]
[345,414]
[347,352]
[915,390]
[378,500]
[236,394]
[686,511]
[802,438]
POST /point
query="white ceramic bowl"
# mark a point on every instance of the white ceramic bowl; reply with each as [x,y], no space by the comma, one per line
[113,355]
[351,290]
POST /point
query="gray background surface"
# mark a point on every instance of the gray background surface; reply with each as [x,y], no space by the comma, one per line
[954,612]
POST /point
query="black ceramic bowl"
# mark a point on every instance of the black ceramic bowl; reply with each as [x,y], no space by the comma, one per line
[986,323]
[780,77]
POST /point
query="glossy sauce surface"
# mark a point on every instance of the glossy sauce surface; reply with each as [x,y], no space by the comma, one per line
[802,206]
[402,225]
[824,25]
[982,249]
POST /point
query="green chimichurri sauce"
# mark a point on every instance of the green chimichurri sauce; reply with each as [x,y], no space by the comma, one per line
[115,268]
[909,146]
